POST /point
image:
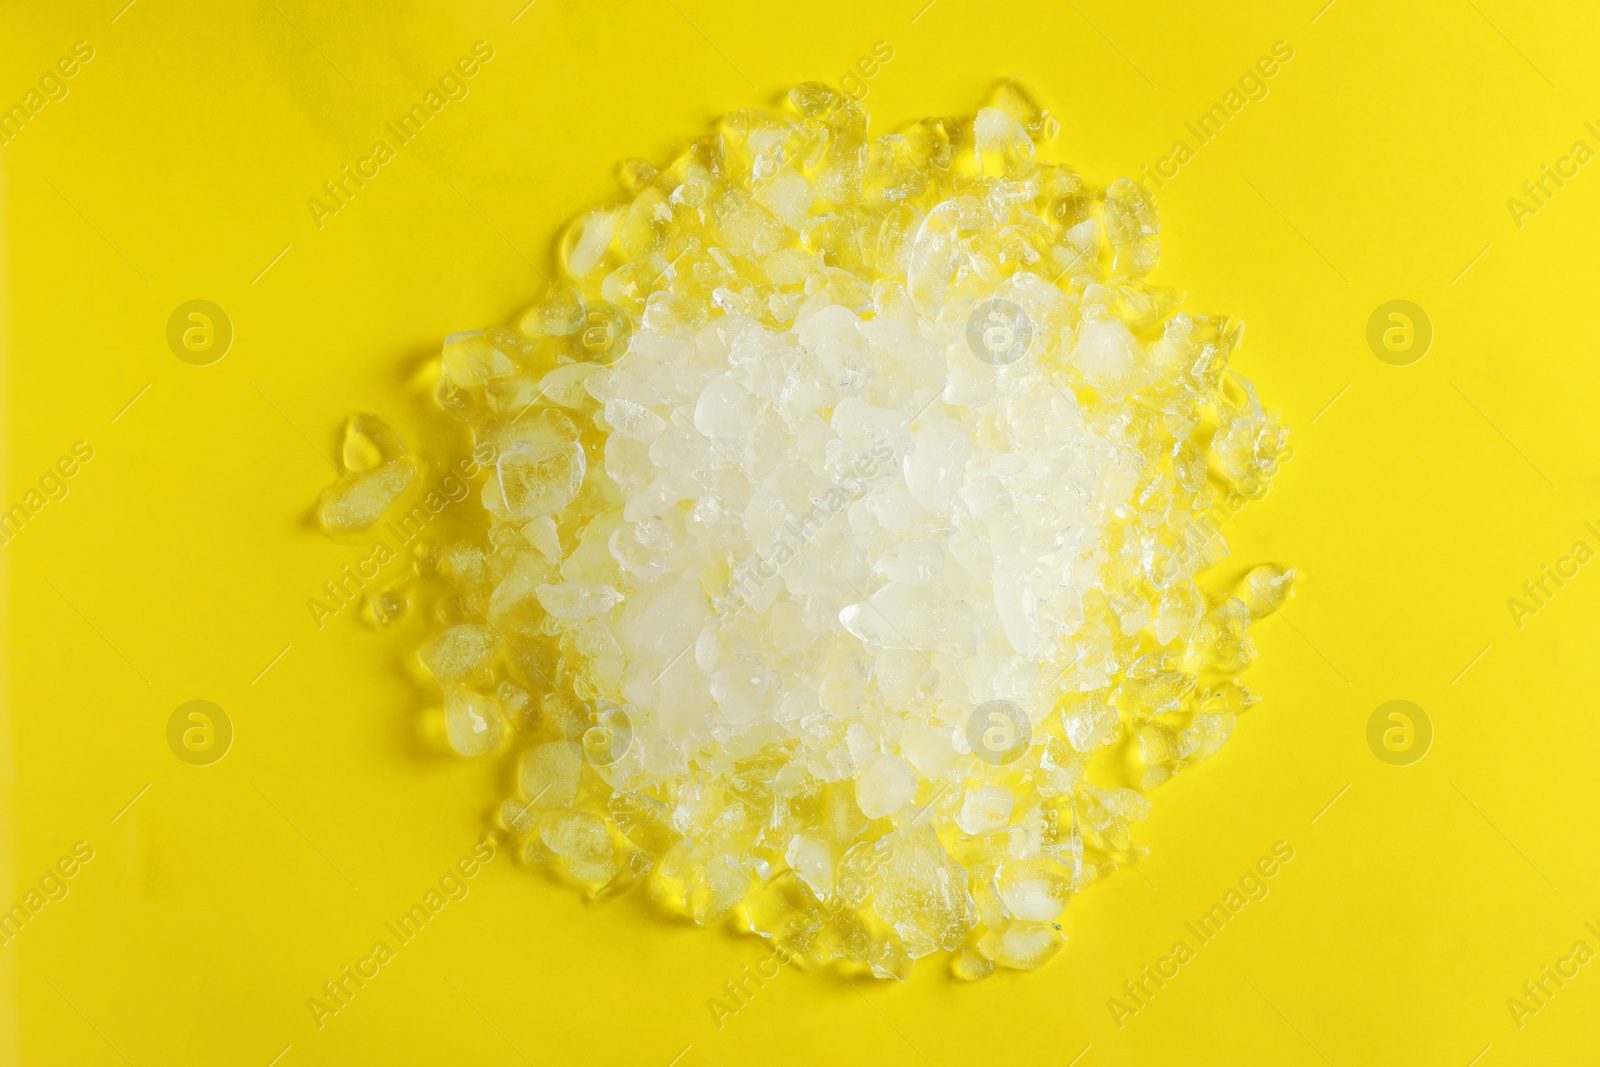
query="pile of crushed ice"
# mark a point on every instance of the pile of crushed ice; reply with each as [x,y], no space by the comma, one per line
[841,511]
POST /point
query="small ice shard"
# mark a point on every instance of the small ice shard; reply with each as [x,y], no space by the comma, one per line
[577,600]
[921,892]
[549,774]
[1266,587]
[813,862]
[459,651]
[1022,946]
[369,443]
[542,467]
[985,809]
[913,617]
[743,692]
[473,721]
[886,786]
[725,409]
[1107,353]
[357,503]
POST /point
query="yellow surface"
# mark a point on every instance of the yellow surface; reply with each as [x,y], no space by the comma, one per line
[178,566]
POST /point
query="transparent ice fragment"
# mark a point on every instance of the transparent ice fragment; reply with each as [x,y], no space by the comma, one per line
[1266,587]
[921,892]
[970,965]
[1022,946]
[549,774]
[743,692]
[369,443]
[577,600]
[518,704]
[357,503]
[472,360]
[459,651]
[813,862]
[645,820]
[886,786]
[473,721]
[516,817]
[930,751]
[542,467]
[580,837]
[1090,725]
[1036,891]
[1107,354]
[917,618]
[725,409]
[985,809]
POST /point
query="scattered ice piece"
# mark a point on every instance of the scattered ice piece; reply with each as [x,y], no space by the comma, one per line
[970,965]
[725,409]
[542,467]
[916,618]
[921,892]
[473,721]
[517,703]
[1022,946]
[541,533]
[886,786]
[743,692]
[811,860]
[1266,587]
[357,503]
[1106,353]
[577,600]
[1034,891]
[459,651]
[582,839]
[549,774]
[927,749]
[369,443]
[517,817]
[1091,724]
[985,809]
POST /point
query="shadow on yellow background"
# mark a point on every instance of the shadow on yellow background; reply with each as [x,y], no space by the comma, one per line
[1409,902]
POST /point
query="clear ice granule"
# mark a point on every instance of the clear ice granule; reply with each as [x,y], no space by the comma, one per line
[842,515]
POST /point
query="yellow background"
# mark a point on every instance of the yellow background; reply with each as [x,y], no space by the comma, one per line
[178,567]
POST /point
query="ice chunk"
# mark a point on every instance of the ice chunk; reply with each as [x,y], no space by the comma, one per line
[985,809]
[743,692]
[473,721]
[1266,588]
[577,600]
[921,892]
[459,651]
[970,965]
[542,466]
[1107,354]
[917,618]
[1090,724]
[1022,946]
[813,862]
[886,786]
[1035,891]
[549,774]
[355,504]
[725,409]
[369,443]
[581,838]
[930,751]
